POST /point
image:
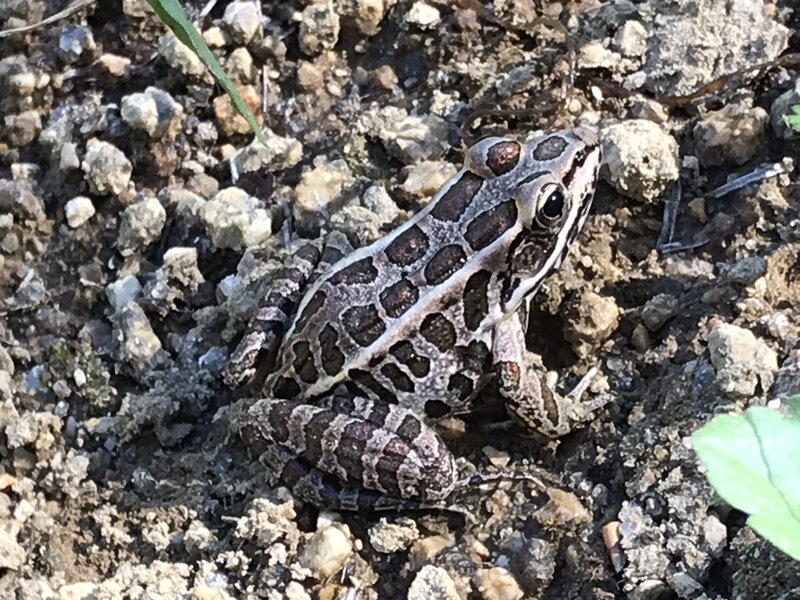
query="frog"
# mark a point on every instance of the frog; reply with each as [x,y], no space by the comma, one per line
[358,353]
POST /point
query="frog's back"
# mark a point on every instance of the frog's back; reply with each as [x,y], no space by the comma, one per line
[410,317]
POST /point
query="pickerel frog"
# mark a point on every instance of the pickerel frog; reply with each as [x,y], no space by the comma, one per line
[361,352]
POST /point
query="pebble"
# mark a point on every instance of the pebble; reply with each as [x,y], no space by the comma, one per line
[733,134]
[235,220]
[413,138]
[243,20]
[75,42]
[23,128]
[228,118]
[425,178]
[78,211]
[787,382]
[214,37]
[140,225]
[433,583]
[138,343]
[181,58]
[106,168]
[6,362]
[309,77]
[591,321]
[388,537]
[123,291]
[595,55]
[658,310]
[423,15]
[497,583]
[743,362]
[370,13]
[320,186]
[327,550]
[136,8]
[153,111]
[640,159]
[631,39]
[319,28]
[114,65]
[377,200]
[277,154]
[385,77]
[240,66]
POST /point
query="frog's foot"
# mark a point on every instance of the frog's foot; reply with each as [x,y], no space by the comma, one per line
[361,455]
[529,394]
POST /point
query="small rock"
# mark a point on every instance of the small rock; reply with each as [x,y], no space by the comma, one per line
[228,118]
[562,508]
[413,138]
[370,13]
[320,186]
[497,584]
[591,321]
[715,535]
[78,210]
[433,583]
[640,338]
[535,562]
[23,128]
[319,28]
[385,77]
[631,39]
[388,537]
[745,270]
[6,362]
[123,291]
[240,67]
[214,37]
[733,134]
[106,168]
[153,111]
[138,343]
[425,178]
[279,153]
[136,8]
[75,42]
[116,66]
[742,360]
[181,58]
[658,310]
[18,201]
[595,55]
[309,77]
[234,219]
[327,551]
[140,225]
[423,15]
[498,458]
[243,20]
[640,159]
[378,200]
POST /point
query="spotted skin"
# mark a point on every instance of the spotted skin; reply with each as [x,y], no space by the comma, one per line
[413,326]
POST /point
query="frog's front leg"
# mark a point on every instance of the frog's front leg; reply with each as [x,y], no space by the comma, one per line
[520,380]
[267,327]
[351,453]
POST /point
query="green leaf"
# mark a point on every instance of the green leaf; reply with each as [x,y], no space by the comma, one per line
[172,13]
[793,121]
[753,462]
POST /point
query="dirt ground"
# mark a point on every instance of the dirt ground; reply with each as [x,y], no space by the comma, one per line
[138,230]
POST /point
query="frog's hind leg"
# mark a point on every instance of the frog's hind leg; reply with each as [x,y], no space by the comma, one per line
[353,454]
[266,328]
[521,381]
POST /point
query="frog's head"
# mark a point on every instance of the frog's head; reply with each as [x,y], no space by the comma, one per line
[551,180]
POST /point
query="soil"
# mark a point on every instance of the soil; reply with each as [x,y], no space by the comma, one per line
[129,267]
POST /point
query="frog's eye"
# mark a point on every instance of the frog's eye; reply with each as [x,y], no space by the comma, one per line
[493,156]
[552,205]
